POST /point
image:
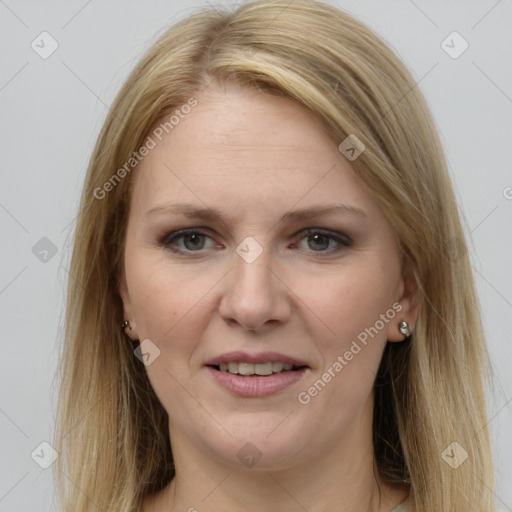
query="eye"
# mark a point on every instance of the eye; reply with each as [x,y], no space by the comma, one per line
[187,241]
[324,241]
[184,241]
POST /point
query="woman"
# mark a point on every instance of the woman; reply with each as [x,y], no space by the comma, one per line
[268,217]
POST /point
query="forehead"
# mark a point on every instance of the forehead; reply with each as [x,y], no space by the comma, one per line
[242,144]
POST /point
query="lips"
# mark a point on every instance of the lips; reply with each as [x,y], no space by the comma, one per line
[256,375]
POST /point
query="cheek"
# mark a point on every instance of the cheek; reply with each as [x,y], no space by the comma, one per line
[355,308]
[168,306]
[163,294]
[348,302]
[172,307]
[356,305]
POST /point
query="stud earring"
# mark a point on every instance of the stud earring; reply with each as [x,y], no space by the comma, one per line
[125,324]
[403,327]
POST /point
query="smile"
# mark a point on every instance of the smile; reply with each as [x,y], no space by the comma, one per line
[262,369]
[254,385]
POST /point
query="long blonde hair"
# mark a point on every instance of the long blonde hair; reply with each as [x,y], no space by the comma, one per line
[112,431]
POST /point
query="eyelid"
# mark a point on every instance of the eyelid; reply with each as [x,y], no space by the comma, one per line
[167,239]
[342,239]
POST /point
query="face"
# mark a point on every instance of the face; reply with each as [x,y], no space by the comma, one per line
[251,241]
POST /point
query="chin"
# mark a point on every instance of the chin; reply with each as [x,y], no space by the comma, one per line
[265,446]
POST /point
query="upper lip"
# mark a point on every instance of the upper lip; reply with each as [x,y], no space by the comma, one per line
[260,357]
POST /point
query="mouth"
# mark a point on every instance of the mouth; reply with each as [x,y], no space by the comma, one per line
[256,375]
[245,369]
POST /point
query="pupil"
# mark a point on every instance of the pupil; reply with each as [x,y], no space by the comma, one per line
[319,239]
[195,241]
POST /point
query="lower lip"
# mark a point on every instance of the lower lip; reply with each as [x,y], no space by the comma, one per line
[255,386]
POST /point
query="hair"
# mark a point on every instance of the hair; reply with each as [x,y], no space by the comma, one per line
[112,431]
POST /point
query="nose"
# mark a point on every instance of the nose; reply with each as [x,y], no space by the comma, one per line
[254,296]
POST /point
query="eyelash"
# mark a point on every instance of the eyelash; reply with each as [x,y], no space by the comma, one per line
[344,241]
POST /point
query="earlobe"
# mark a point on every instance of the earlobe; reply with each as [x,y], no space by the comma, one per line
[399,330]
[129,325]
[402,326]
[130,329]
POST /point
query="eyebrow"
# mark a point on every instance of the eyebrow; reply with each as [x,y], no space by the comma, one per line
[204,213]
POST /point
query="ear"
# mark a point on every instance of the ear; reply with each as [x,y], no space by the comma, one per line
[131,330]
[408,300]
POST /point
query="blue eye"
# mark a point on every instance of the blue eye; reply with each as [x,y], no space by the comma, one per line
[325,242]
[192,241]
[195,241]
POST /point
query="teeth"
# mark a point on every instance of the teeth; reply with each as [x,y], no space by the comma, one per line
[277,367]
[245,368]
[263,369]
[255,369]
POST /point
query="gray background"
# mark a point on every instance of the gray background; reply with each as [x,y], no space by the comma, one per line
[53,108]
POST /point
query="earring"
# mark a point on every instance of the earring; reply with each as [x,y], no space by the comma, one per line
[403,327]
[125,324]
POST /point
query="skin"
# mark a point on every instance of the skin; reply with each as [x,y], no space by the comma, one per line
[255,157]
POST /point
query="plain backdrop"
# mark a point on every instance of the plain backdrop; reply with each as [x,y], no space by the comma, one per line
[52,109]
